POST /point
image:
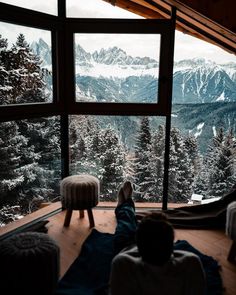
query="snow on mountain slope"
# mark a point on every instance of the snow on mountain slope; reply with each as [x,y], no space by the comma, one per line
[113,62]
[195,80]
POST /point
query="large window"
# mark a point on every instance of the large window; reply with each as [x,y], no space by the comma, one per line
[118,148]
[25,65]
[203,133]
[108,68]
[111,75]
[30,166]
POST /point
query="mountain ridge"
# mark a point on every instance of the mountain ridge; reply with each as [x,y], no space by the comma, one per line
[196,80]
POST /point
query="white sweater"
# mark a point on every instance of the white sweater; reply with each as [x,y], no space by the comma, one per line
[181,275]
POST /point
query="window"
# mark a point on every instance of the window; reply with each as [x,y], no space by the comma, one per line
[109,68]
[115,94]
[49,7]
[111,76]
[202,156]
[118,148]
[30,166]
[25,65]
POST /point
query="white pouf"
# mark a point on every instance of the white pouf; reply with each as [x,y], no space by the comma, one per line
[231,229]
[79,192]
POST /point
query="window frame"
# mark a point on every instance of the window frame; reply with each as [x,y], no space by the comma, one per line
[64,102]
[122,26]
[30,18]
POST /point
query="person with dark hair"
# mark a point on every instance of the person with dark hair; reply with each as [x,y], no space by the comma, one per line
[146,262]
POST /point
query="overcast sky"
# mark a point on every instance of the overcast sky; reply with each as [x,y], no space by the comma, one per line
[185,45]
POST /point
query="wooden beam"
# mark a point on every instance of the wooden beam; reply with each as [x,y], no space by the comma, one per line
[220,12]
[133,6]
[189,21]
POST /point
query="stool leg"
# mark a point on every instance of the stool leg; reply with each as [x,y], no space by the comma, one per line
[81,213]
[90,216]
[68,217]
[232,252]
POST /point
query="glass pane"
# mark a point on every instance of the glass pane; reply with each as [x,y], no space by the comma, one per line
[30,166]
[49,7]
[117,67]
[25,65]
[115,149]
[203,150]
[96,9]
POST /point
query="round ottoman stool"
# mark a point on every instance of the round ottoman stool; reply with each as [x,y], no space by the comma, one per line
[231,229]
[29,264]
[79,192]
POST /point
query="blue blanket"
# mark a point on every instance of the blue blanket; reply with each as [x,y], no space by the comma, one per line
[89,273]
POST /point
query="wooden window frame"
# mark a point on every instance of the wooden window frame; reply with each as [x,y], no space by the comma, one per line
[64,103]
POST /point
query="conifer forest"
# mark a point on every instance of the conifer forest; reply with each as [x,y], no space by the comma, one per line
[112,148]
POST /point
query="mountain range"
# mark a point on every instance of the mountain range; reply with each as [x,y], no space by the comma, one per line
[113,75]
[204,93]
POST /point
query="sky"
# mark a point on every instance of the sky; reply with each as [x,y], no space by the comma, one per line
[186,47]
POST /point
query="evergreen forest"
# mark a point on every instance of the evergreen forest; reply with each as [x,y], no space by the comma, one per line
[30,153]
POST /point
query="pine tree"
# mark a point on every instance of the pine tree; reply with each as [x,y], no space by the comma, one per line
[25,74]
[84,145]
[40,156]
[112,162]
[157,163]
[142,158]
[221,164]
[11,178]
[98,152]
[5,85]
[201,182]
[181,173]
[191,146]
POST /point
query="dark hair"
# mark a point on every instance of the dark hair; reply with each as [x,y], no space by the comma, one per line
[155,238]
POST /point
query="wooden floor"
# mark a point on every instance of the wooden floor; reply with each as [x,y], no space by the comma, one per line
[210,242]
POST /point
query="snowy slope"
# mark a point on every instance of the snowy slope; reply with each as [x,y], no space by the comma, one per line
[111,74]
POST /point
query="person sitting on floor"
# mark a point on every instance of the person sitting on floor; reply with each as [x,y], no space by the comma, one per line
[145,262]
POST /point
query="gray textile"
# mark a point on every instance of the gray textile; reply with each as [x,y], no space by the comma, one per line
[231,221]
[181,275]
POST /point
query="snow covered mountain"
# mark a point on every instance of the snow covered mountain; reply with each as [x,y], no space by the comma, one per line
[204,93]
[112,63]
[43,50]
[111,74]
[194,81]
[202,81]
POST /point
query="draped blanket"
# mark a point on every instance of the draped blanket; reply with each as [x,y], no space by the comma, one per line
[206,216]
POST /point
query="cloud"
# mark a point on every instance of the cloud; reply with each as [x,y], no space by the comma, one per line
[10,32]
[49,6]
[145,45]
[186,47]
[96,9]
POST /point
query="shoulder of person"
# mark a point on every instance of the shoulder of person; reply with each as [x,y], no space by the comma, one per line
[127,256]
[186,257]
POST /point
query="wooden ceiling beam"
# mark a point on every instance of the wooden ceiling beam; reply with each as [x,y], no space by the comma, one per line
[206,18]
[220,12]
[134,7]
[188,21]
